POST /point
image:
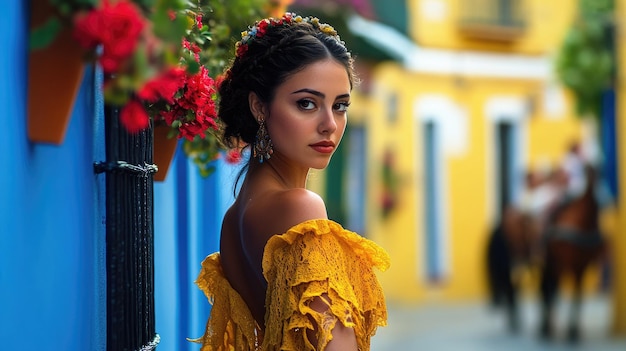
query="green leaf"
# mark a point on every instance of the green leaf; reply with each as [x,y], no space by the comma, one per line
[168,30]
[205,172]
[116,97]
[585,61]
[193,67]
[45,34]
[172,133]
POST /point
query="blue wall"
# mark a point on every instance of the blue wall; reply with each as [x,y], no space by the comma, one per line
[52,234]
[608,142]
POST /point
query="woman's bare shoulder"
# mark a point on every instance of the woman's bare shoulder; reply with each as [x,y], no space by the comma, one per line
[276,212]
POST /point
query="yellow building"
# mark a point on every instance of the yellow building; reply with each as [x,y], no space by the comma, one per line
[472,104]
[442,136]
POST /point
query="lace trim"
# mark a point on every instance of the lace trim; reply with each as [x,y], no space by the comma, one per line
[319,258]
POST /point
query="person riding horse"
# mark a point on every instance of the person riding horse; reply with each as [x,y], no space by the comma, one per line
[564,239]
[572,242]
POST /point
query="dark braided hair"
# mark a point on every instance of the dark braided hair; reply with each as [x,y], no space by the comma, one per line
[282,50]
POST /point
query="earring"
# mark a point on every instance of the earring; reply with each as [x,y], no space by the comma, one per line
[263,148]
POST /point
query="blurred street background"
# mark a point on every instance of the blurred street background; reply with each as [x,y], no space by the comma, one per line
[476,327]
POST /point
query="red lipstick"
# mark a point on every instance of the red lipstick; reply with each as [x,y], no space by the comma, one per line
[324,147]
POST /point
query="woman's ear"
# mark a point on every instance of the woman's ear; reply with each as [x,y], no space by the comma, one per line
[257,107]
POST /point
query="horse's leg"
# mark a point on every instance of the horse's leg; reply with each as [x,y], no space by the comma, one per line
[549,286]
[511,289]
[497,266]
[573,331]
[500,270]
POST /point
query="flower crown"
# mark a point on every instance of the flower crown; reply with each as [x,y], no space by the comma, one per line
[260,28]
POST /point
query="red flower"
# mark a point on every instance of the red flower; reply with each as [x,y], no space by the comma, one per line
[242,49]
[219,80]
[233,157]
[199,21]
[116,26]
[171,14]
[169,116]
[197,97]
[262,28]
[134,117]
[191,129]
[194,107]
[194,48]
[87,30]
[163,86]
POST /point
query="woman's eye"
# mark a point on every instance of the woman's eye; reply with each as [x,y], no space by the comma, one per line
[341,106]
[306,104]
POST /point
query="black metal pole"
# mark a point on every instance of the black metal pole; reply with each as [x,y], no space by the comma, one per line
[129,236]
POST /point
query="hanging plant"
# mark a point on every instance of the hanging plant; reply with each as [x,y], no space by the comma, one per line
[161,59]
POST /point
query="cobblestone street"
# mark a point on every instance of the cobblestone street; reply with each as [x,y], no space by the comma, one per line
[477,327]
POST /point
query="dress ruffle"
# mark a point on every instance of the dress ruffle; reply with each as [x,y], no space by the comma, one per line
[316,258]
[231,325]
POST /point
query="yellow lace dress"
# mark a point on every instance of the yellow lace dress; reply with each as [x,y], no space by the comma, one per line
[311,259]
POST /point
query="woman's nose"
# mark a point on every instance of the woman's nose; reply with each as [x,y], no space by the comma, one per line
[328,124]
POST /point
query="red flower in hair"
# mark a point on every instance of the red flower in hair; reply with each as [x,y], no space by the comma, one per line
[262,28]
[241,50]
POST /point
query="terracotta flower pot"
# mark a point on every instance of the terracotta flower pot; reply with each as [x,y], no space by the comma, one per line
[163,151]
[54,77]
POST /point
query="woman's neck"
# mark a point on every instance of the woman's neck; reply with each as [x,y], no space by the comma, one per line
[285,175]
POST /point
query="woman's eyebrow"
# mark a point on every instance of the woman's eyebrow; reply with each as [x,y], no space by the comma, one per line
[310,91]
[320,94]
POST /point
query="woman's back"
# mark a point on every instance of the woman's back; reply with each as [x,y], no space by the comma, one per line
[238,269]
[264,207]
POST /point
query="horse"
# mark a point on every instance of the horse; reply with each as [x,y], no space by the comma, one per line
[511,248]
[571,243]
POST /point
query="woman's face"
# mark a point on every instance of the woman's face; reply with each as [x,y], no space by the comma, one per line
[308,114]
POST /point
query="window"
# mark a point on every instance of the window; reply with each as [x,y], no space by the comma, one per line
[500,20]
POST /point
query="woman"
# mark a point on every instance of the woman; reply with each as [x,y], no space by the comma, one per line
[286,277]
